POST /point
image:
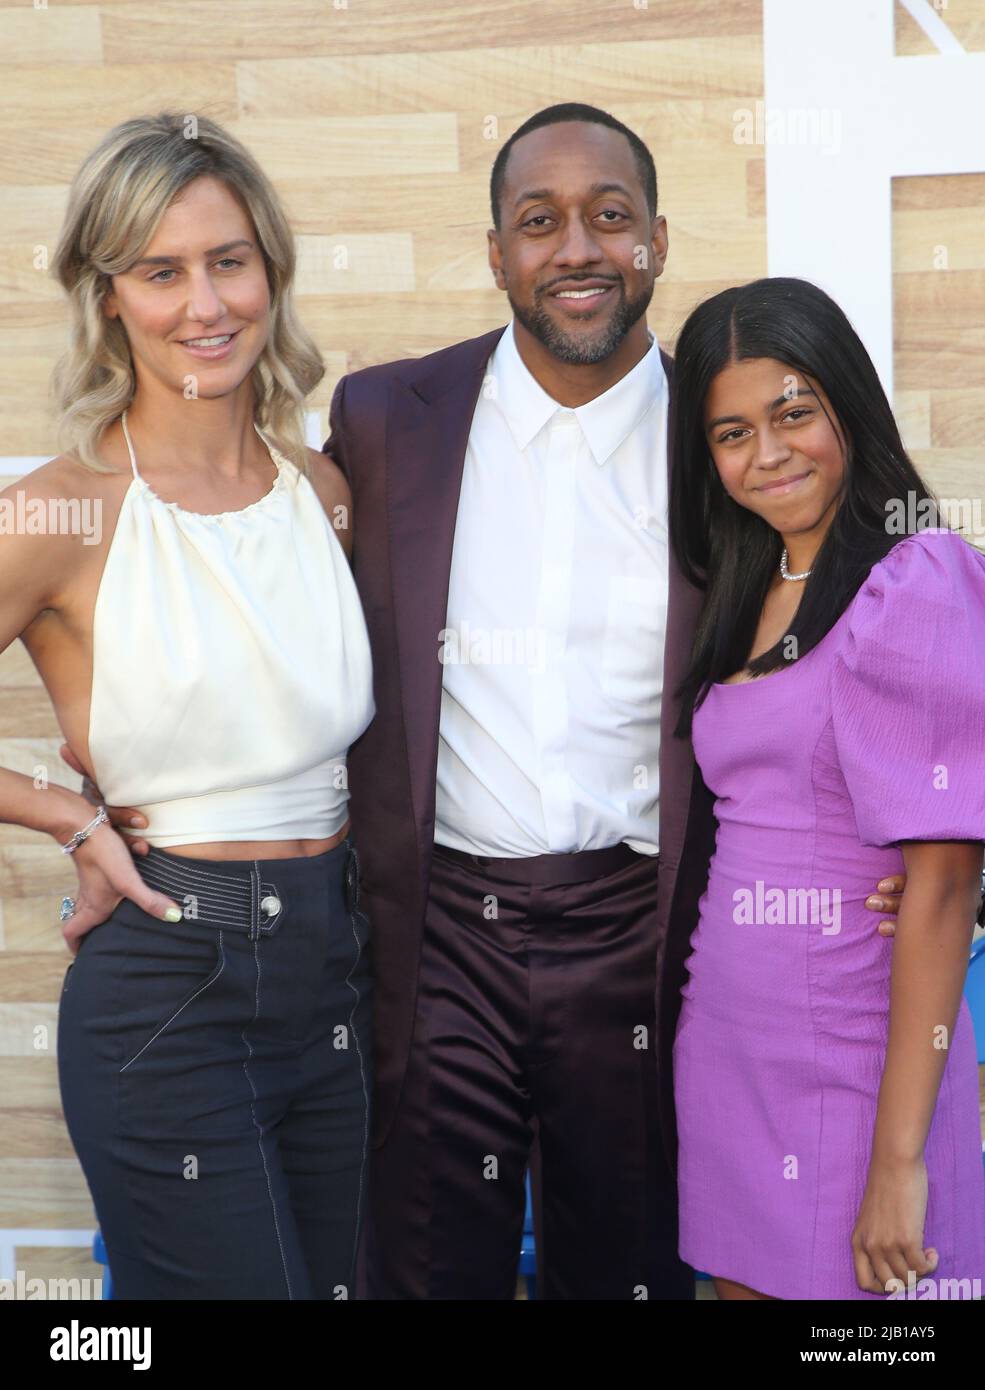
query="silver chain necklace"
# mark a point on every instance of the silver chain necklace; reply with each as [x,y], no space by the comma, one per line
[785,573]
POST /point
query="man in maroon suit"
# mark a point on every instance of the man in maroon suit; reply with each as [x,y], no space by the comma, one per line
[504,808]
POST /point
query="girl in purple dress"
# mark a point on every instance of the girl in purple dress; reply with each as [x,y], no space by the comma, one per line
[825,1075]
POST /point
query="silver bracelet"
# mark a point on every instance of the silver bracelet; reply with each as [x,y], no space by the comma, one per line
[100,818]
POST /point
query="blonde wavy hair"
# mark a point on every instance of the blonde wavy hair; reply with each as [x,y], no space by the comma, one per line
[115,203]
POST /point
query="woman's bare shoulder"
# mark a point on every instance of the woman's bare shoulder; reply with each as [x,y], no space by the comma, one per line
[64,477]
[53,520]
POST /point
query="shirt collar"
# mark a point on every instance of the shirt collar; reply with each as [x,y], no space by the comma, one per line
[605,421]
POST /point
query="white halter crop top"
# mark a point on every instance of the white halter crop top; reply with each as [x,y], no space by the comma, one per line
[231,667]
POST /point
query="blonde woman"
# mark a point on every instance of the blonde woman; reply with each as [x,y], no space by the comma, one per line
[209,665]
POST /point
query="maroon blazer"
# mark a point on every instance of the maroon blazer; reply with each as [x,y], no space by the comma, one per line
[399,432]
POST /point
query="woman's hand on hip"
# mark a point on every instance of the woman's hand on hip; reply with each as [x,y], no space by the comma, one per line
[124,817]
[107,875]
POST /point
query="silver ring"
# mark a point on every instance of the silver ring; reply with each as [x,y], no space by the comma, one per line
[67,909]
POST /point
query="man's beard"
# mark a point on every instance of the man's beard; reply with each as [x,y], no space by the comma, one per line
[584,349]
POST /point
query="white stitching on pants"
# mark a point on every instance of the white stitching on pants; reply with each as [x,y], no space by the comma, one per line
[238,894]
[210,981]
[228,880]
[246,1070]
[180,884]
[362,1076]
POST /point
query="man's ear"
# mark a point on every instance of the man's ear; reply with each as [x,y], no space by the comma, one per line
[659,244]
[496,258]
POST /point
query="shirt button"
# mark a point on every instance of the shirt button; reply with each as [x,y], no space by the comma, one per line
[270,906]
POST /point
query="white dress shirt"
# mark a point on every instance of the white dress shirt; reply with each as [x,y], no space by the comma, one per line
[553,648]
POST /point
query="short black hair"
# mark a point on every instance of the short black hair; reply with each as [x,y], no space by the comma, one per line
[575,111]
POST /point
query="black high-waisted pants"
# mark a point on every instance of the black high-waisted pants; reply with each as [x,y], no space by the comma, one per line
[216,1075]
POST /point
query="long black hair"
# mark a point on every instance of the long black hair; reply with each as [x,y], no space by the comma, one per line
[727,549]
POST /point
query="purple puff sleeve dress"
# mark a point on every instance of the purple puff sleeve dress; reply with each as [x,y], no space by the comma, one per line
[876,735]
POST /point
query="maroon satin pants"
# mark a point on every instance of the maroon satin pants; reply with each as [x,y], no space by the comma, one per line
[535,1020]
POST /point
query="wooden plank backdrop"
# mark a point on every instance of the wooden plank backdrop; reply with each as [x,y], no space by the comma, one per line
[378,121]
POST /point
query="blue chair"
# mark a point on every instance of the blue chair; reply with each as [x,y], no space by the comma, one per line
[974,992]
[528,1248]
[101,1258]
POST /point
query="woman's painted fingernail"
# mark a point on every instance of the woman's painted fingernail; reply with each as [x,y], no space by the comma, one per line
[136,820]
[886,886]
[876,903]
[173,914]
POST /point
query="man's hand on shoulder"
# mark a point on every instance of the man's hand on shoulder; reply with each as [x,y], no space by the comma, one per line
[333,492]
[887,899]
